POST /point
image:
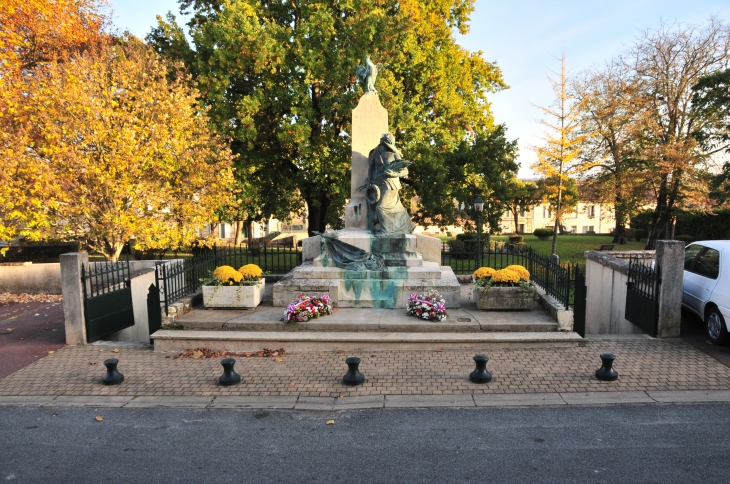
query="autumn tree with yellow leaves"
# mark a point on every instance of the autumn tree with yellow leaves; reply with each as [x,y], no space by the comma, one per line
[108,147]
[559,155]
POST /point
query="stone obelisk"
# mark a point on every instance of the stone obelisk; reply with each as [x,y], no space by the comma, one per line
[369,123]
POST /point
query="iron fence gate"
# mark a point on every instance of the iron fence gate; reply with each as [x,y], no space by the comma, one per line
[107,298]
[642,296]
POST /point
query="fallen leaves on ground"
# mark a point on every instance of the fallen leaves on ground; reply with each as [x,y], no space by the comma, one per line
[10,329]
[438,351]
[115,350]
[279,360]
[8,297]
[198,353]
[51,352]
[330,422]
[99,418]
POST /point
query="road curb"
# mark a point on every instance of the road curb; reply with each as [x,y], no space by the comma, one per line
[306,403]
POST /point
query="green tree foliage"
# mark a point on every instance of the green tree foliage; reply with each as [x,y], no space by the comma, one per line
[279,78]
[712,99]
[519,195]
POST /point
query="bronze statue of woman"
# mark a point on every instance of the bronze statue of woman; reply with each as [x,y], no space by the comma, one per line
[386,213]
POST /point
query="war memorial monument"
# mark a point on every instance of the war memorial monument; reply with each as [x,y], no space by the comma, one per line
[375,261]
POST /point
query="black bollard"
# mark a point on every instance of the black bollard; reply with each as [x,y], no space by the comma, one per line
[353,376]
[229,376]
[481,375]
[606,372]
[112,377]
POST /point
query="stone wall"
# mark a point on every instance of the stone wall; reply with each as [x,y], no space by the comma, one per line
[31,278]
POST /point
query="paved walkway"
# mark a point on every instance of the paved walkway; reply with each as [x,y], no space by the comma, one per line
[644,365]
[28,331]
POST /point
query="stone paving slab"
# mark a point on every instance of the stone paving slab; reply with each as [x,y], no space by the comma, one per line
[113,401]
[315,403]
[232,402]
[525,399]
[25,401]
[360,402]
[378,401]
[601,398]
[413,401]
[691,396]
[170,402]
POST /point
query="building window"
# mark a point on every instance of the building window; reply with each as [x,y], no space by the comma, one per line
[522,212]
[224,231]
[592,211]
[522,228]
[573,229]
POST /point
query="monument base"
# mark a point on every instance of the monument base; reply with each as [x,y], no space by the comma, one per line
[412,265]
[368,289]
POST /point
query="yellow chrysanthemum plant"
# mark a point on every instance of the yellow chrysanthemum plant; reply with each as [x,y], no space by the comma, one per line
[247,275]
[511,276]
[226,276]
[251,273]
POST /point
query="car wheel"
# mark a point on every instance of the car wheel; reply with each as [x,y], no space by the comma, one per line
[716,329]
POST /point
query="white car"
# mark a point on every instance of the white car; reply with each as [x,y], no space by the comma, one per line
[707,286]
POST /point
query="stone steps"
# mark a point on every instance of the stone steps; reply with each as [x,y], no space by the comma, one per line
[326,326]
[172,340]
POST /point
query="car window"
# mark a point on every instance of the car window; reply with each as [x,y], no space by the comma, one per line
[708,264]
[690,254]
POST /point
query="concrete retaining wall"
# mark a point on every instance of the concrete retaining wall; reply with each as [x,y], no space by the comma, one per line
[31,278]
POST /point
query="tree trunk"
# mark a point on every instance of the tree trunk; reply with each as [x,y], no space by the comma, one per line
[556,228]
[317,213]
[516,214]
[237,228]
[619,234]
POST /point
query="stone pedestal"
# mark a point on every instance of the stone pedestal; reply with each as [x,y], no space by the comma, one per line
[369,123]
[407,272]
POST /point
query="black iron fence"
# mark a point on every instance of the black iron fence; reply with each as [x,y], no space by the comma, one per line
[179,278]
[557,280]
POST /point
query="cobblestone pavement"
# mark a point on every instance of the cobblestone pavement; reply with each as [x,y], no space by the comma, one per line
[643,364]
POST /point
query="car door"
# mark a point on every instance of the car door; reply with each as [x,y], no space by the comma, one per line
[690,286]
[705,271]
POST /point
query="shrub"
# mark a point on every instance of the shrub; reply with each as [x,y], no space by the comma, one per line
[543,234]
[590,232]
[516,239]
[639,234]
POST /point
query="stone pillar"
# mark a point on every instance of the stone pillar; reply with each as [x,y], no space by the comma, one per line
[369,123]
[73,297]
[670,261]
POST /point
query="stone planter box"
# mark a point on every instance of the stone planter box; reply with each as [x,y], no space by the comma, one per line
[503,298]
[233,296]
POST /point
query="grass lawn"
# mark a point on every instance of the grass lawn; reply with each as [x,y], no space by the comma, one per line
[572,246]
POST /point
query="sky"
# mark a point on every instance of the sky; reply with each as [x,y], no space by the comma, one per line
[525,39]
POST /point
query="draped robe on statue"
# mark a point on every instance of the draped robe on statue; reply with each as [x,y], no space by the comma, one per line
[386,213]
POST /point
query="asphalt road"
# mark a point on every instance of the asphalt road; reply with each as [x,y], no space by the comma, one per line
[28,332]
[626,443]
